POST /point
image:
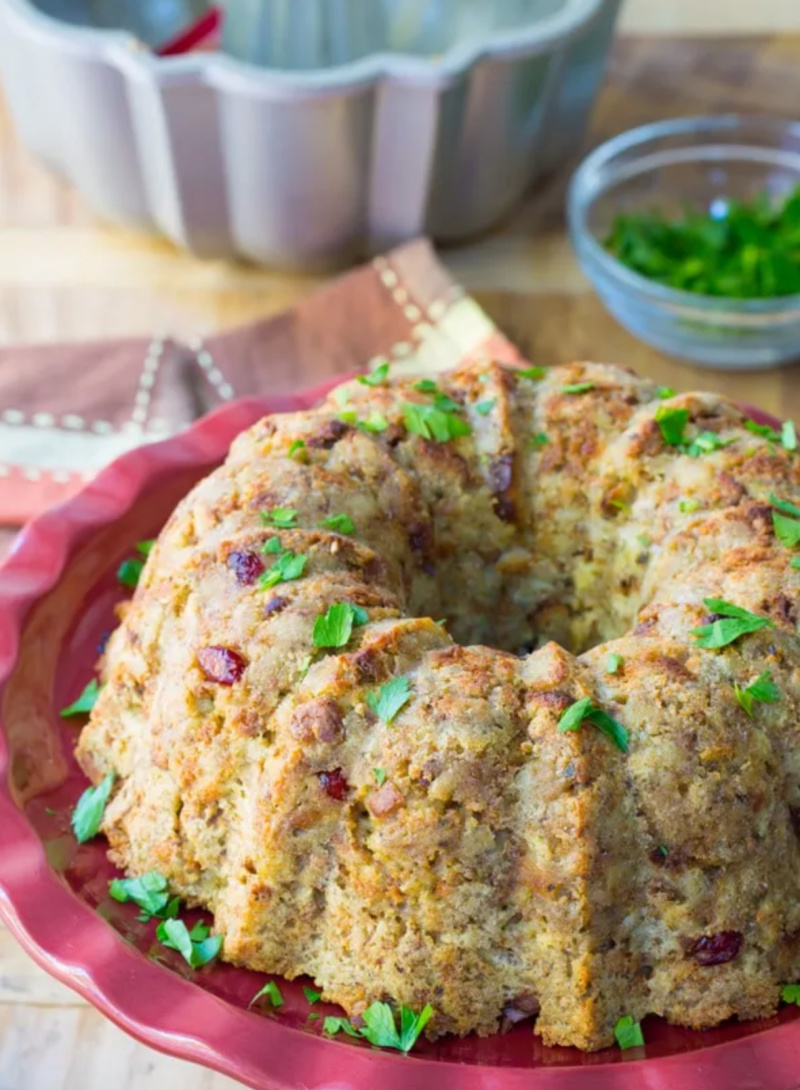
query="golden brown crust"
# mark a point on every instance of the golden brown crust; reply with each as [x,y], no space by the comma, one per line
[467,853]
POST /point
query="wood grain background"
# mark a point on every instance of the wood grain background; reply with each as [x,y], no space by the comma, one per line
[64,275]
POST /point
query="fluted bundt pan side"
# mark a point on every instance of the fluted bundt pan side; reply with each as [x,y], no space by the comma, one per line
[568,580]
[307,168]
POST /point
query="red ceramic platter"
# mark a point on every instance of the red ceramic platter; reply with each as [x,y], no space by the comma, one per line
[57,595]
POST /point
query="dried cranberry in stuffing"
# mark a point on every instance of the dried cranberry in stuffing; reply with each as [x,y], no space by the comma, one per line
[334,784]
[221,664]
[716,949]
[247,567]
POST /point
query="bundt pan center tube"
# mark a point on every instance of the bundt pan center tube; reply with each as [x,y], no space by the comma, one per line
[445,693]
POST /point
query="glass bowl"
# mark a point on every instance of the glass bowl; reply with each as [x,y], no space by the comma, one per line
[667,165]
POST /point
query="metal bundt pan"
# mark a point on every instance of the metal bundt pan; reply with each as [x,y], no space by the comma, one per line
[304,168]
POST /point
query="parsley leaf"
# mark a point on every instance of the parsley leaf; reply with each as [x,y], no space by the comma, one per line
[733,623]
[145,547]
[334,628]
[272,546]
[433,423]
[672,423]
[628,1033]
[795,562]
[577,388]
[789,435]
[379,1026]
[297,446]
[380,776]
[333,1025]
[585,711]
[762,691]
[390,698]
[85,702]
[341,524]
[130,571]
[273,992]
[790,993]
[485,407]
[535,374]
[787,530]
[705,442]
[311,995]
[375,422]
[664,392]
[538,440]
[784,505]
[196,947]
[613,664]
[377,377]
[285,518]
[446,404]
[686,506]
[149,892]
[764,430]
[426,386]
[87,817]
[288,566]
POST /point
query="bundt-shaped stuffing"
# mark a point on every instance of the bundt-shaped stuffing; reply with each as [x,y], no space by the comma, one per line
[438,694]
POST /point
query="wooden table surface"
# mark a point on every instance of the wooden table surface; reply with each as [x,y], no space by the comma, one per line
[63,275]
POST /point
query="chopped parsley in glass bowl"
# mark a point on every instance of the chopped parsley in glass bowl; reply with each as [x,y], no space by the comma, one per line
[690,233]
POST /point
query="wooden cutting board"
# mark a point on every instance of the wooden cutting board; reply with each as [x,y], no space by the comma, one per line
[62,275]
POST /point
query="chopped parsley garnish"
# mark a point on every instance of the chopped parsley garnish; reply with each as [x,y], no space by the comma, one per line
[273,993]
[130,572]
[687,506]
[390,698]
[446,404]
[340,524]
[288,566]
[672,422]
[585,711]
[334,628]
[313,1017]
[790,993]
[538,440]
[664,392]
[85,702]
[740,249]
[87,817]
[761,691]
[149,892]
[621,505]
[535,374]
[577,388]
[377,377]
[380,776]
[787,530]
[433,423]
[789,435]
[348,416]
[297,446]
[784,505]
[426,386]
[305,666]
[628,1033]
[705,442]
[375,422]
[485,407]
[794,562]
[285,518]
[341,395]
[764,430]
[380,1027]
[272,546]
[197,947]
[333,1025]
[733,622]
[613,664]
[311,995]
